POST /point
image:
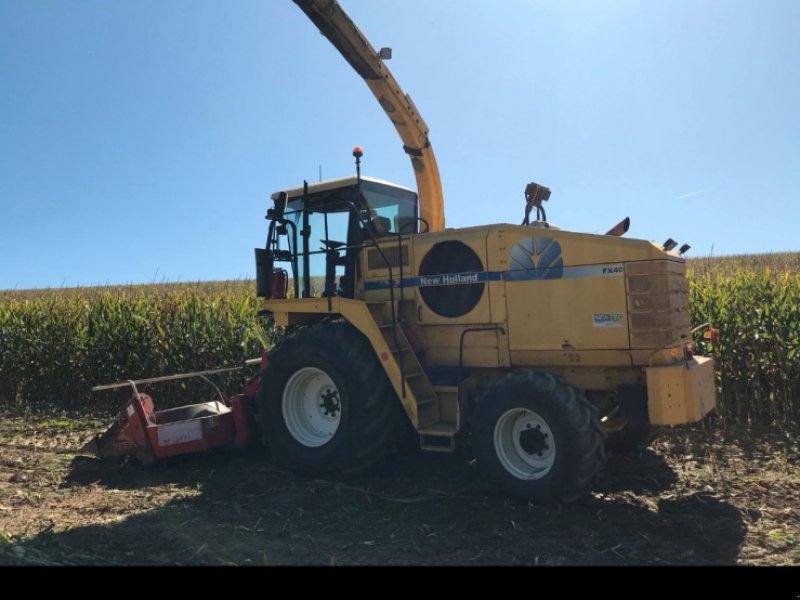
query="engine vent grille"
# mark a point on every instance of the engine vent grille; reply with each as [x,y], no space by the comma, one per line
[658,303]
[375,261]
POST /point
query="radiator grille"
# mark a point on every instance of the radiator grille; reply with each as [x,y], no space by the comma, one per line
[658,303]
[375,261]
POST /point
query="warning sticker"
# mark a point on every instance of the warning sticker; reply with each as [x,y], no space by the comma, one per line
[180,432]
[607,319]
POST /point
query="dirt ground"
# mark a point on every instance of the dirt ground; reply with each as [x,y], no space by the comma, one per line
[691,499]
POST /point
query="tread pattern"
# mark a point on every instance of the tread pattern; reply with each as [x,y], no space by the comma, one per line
[369,427]
[575,421]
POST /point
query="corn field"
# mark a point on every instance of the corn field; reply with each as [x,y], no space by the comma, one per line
[755,303]
[56,344]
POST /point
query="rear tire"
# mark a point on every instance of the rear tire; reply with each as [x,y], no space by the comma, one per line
[325,405]
[536,436]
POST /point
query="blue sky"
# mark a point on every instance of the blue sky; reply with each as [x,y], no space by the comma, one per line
[140,140]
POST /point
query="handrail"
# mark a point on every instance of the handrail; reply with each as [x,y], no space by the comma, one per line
[391,292]
[133,382]
[273,238]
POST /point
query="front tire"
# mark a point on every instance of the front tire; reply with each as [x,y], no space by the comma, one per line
[536,436]
[325,405]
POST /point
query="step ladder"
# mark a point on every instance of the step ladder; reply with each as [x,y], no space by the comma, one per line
[437,406]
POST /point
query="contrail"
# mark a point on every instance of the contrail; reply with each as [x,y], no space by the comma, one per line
[689,195]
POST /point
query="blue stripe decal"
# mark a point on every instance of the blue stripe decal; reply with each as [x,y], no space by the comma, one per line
[438,280]
[449,279]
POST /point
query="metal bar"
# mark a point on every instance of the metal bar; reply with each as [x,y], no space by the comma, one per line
[306,235]
[129,382]
[391,292]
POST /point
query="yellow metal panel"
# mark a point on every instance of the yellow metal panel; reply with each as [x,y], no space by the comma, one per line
[571,358]
[579,304]
[560,314]
[682,393]
[298,311]
[498,256]
[449,410]
[498,253]
[300,305]
[442,346]
[497,297]
[583,248]
[402,263]
[497,302]
[600,378]
[700,379]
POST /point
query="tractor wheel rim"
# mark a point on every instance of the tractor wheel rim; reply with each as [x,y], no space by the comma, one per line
[524,444]
[312,408]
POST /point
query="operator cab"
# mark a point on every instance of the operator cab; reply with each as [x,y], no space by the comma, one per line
[318,231]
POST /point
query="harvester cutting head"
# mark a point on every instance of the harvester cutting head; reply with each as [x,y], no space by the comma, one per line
[147,435]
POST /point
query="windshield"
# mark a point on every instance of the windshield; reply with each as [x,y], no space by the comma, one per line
[397,208]
[387,211]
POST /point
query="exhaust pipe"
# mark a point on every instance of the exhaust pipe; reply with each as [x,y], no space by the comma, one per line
[620,228]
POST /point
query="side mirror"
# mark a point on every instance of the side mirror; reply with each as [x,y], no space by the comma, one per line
[276,213]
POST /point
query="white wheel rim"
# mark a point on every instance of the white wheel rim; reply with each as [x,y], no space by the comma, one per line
[312,408]
[524,444]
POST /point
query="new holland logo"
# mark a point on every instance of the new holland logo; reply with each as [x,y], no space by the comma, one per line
[536,258]
[449,279]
